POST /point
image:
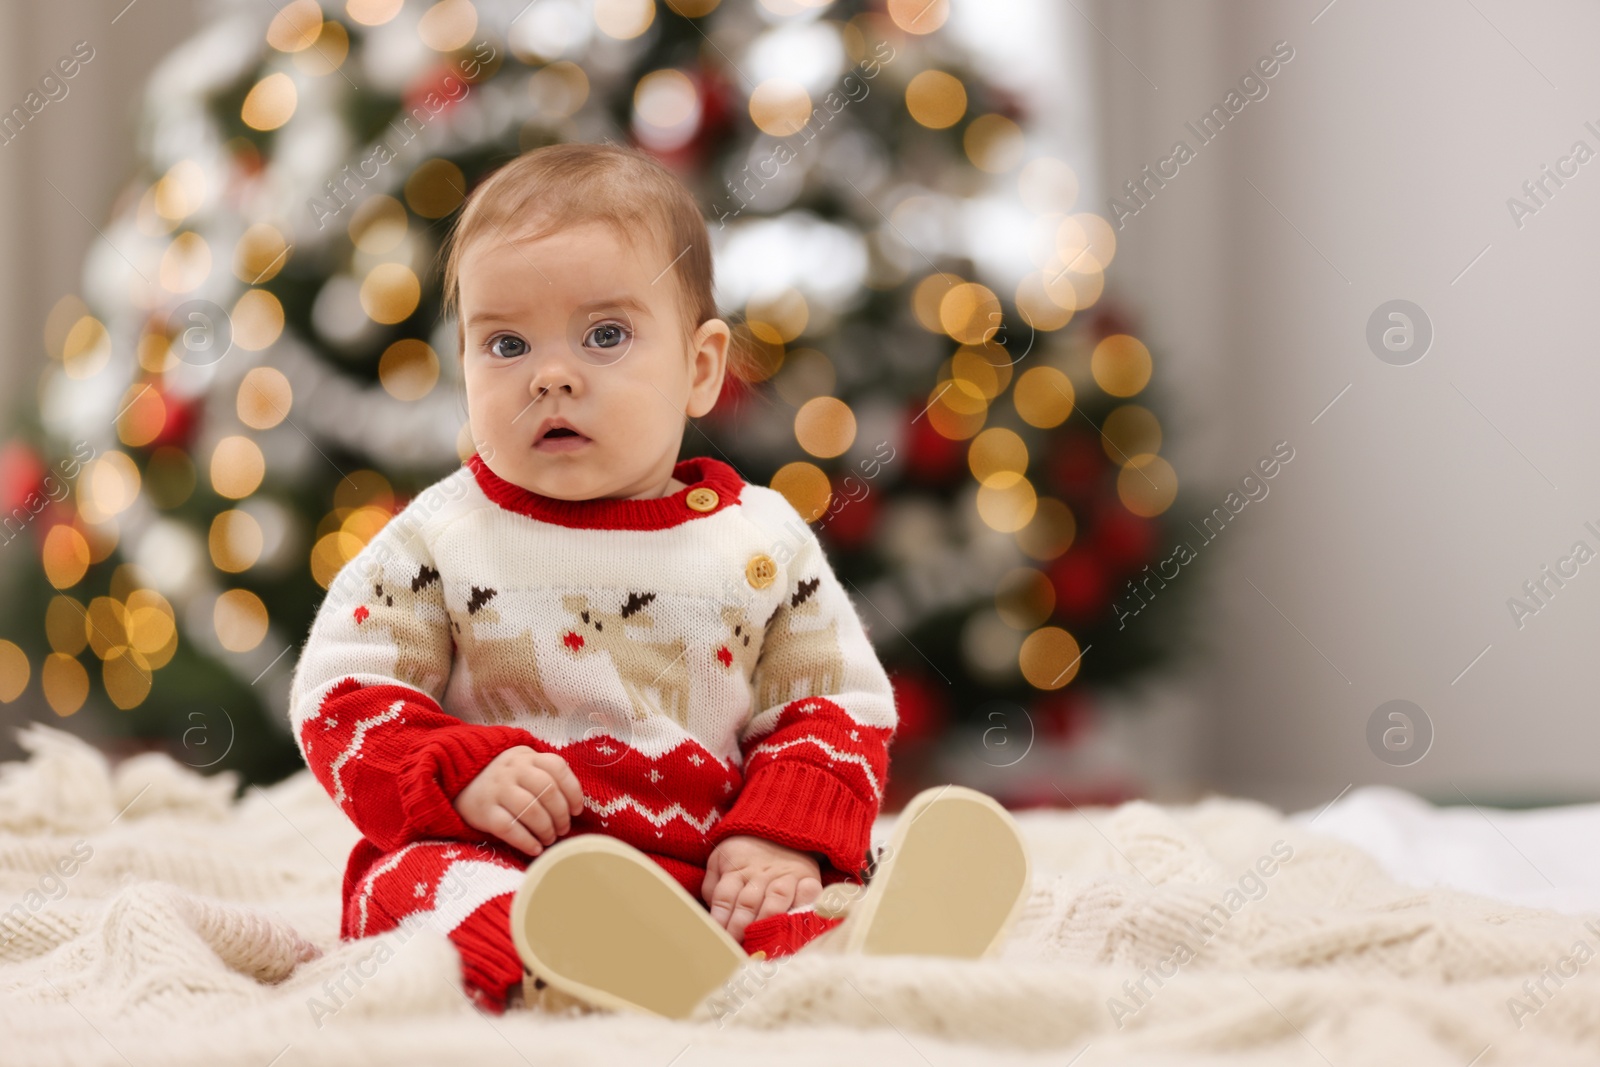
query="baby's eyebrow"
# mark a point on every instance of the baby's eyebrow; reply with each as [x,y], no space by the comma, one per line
[620,302]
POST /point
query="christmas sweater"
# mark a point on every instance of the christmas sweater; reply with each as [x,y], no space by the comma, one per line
[692,657]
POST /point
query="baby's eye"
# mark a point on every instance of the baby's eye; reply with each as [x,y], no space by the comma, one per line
[517,346]
[607,335]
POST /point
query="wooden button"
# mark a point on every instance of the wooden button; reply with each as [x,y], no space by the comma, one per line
[702,499]
[761,570]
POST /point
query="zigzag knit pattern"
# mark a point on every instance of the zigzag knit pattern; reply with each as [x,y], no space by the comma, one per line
[693,658]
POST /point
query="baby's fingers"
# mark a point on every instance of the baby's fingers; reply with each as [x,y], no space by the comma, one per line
[725,895]
[513,832]
[780,895]
[566,781]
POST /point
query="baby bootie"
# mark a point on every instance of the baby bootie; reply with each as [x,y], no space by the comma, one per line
[949,882]
[600,921]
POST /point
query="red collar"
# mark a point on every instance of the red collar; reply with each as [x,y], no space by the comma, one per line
[613,513]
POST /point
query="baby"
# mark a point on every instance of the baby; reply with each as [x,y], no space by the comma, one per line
[578,634]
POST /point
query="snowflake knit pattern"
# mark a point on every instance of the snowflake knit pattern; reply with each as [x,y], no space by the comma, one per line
[692,657]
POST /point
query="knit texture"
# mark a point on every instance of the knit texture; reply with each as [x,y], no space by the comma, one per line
[693,658]
[151,918]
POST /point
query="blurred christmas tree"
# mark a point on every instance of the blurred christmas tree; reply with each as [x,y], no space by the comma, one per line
[256,380]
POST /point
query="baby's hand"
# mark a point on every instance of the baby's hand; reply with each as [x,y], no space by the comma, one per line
[750,878]
[523,797]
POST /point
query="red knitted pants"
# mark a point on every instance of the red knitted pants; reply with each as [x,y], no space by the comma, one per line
[465,890]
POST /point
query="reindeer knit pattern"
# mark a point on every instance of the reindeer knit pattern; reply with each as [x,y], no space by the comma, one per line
[692,657]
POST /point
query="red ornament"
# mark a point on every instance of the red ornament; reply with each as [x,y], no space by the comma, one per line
[181,422]
[1077,464]
[1123,539]
[1062,715]
[920,704]
[849,522]
[932,457]
[1079,579]
[21,475]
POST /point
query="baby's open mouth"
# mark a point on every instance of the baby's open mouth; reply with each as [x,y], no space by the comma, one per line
[561,439]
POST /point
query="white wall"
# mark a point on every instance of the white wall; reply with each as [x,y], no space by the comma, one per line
[1384,556]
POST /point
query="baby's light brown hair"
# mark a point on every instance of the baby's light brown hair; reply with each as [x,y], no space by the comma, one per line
[562,185]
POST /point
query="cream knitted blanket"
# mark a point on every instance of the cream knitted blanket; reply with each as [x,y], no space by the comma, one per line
[152,919]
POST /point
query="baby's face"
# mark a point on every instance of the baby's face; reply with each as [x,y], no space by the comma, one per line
[584,327]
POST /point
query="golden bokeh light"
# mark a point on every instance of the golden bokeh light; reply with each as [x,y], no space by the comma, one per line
[559,90]
[1051,531]
[692,9]
[1086,243]
[919,16]
[237,467]
[143,415]
[825,426]
[1121,364]
[373,12]
[260,254]
[152,627]
[984,370]
[954,412]
[970,313]
[264,398]
[436,188]
[390,293]
[328,53]
[665,99]
[108,486]
[296,26]
[65,555]
[1129,431]
[270,103]
[1007,508]
[126,676]
[998,457]
[240,619]
[1046,306]
[1147,485]
[362,487]
[927,296]
[1043,397]
[778,318]
[186,264]
[1047,185]
[379,225]
[86,349]
[181,191]
[365,522]
[257,320]
[805,486]
[236,541]
[448,25]
[993,143]
[624,19]
[936,99]
[780,107]
[1049,658]
[408,369]
[65,683]
[106,625]
[1024,598]
[331,552]
[63,625]
[14,671]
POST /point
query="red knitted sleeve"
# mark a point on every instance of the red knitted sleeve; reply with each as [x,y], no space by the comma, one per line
[816,751]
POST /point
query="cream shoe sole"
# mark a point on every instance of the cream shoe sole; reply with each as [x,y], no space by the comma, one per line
[600,921]
[950,882]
